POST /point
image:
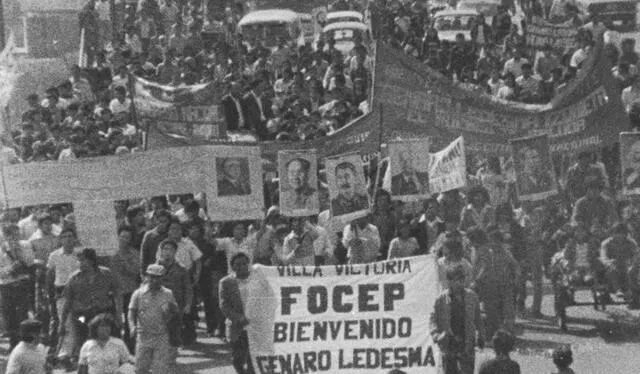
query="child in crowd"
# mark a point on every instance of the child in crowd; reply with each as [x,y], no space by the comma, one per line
[563,358]
[503,343]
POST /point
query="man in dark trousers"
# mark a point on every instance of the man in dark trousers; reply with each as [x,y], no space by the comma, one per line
[456,324]
[234,112]
[257,107]
[233,299]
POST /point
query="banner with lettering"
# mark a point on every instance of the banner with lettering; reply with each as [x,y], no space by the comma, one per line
[448,168]
[418,101]
[535,178]
[184,112]
[230,177]
[361,135]
[349,319]
[560,36]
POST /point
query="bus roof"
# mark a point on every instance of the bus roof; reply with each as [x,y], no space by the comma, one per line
[269,16]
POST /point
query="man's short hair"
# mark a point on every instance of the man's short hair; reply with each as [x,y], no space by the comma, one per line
[91,255]
[346,165]
[168,242]
[306,165]
[227,160]
[503,342]
[43,217]
[164,213]
[68,229]
[238,255]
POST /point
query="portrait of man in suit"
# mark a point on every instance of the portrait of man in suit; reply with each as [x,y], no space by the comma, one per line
[348,200]
[535,177]
[302,195]
[233,179]
[631,175]
[409,181]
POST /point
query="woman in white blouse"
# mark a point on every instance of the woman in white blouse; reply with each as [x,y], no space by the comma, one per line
[102,353]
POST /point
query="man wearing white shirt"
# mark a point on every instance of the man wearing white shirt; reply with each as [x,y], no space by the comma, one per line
[362,241]
[238,243]
[322,246]
[514,65]
[631,94]
[581,54]
[120,103]
[61,265]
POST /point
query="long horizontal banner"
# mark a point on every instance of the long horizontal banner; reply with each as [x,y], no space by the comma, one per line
[361,135]
[420,102]
[185,112]
[231,177]
[347,319]
[560,36]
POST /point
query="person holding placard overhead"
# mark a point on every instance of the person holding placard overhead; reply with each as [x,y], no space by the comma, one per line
[362,241]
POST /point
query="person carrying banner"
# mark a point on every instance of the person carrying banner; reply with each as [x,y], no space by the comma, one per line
[233,300]
[456,324]
[298,247]
[362,241]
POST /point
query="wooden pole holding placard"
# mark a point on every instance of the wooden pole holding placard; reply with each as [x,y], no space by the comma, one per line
[378,171]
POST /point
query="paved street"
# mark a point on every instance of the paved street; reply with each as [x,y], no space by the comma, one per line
[599,344]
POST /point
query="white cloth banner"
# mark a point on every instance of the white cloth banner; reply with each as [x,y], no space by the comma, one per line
[448,168]
[350,319]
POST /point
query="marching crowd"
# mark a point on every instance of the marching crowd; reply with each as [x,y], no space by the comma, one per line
[139,306]
[173,262]
[293,92]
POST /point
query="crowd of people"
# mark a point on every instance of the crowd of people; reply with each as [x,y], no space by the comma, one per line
[287,93]
[173,258]
[172,262]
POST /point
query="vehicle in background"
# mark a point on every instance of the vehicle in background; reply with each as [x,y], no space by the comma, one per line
[450,23]
[274,24]
[489,8]
[439,6]
[620,18]
[344,16]
[344,34]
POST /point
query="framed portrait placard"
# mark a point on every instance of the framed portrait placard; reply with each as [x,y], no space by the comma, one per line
[409,166]
[298,173]
[237,188]
[348,198]
[535,179]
